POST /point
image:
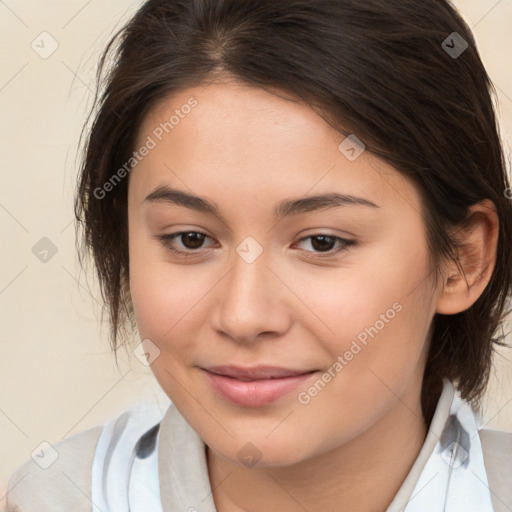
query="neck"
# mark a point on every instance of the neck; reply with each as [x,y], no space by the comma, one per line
[364,474]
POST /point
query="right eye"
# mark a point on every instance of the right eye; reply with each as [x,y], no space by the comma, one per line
[191,241]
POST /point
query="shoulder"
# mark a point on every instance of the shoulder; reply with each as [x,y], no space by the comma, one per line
[497,447]
[57,478]
[497,452]
[60,478]
[496,437]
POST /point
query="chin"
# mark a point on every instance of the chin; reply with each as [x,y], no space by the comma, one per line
[251,455]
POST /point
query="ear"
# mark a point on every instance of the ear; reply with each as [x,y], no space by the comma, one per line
[477,258]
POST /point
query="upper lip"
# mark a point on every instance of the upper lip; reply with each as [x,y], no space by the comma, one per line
[255,372]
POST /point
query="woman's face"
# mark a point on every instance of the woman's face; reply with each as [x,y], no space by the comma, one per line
[269,279]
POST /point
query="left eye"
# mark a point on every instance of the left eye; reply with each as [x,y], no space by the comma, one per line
[193,240]
[324,243]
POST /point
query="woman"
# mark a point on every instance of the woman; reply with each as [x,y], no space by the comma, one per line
[302,206]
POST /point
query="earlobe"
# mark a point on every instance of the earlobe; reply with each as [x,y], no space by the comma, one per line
[477,257]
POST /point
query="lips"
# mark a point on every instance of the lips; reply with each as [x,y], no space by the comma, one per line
[255,373]
[256,386]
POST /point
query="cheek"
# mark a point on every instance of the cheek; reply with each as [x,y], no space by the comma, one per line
[162,304]
[161,293]
[386,286]
[378,317]
[170,306]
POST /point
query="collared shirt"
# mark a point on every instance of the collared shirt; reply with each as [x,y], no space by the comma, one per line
[145,460]
[167,470]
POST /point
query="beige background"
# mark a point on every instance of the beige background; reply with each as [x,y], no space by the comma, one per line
[57,374]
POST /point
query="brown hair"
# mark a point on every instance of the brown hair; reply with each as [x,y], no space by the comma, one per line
[379,69]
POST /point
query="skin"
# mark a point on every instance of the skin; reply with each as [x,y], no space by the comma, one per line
[246,150]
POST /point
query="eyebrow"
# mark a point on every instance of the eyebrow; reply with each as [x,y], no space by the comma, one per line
[166,194]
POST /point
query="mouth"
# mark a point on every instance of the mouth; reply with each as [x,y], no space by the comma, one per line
[256,386]
[256,372]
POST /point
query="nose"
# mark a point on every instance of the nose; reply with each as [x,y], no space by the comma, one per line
[250,302]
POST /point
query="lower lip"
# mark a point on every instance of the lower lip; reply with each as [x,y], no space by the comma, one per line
[257,392]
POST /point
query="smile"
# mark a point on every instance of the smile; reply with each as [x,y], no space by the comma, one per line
[254,392]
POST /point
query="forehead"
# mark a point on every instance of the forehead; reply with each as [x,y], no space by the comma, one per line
[247,140]
[242,112]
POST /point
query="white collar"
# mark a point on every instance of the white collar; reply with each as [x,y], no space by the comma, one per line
[449,473]
[447,476]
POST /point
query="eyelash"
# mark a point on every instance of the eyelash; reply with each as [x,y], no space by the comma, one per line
[167,242]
